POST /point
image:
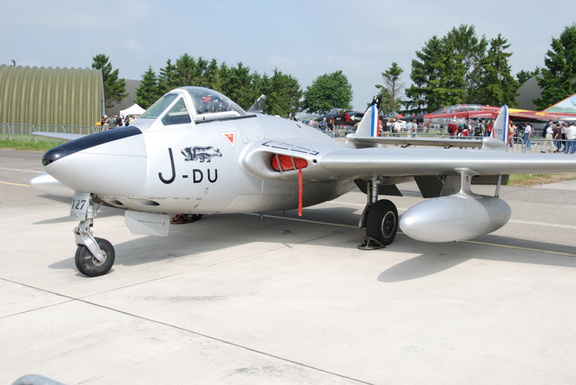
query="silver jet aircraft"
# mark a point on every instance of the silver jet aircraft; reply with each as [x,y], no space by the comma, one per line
[197,152]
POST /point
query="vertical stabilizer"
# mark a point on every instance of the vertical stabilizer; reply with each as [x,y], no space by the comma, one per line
[500,128]
[369,125]
[566,106]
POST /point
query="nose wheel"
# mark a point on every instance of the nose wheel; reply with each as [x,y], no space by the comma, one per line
[89,265]
[94,256]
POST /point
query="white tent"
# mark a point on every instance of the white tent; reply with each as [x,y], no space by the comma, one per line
[135,109]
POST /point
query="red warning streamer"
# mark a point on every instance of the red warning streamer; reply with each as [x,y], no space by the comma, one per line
[285,163]
[300,191]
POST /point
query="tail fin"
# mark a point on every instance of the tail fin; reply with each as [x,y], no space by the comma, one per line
[500,128]
[567,105]
[258,106]
[370,123]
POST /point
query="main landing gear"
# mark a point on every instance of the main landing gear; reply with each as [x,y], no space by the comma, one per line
[380,218]
[94,256]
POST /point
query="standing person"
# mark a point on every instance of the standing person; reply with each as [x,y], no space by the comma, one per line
[392,126]
[409,127]
[397,127]
[323,125]
[489,127]
[511,133]
[478,130]
[413,129]
[549,135]
[453,129]
[570,132]
[545,130]
[557,136]
[330,127]
[528,133]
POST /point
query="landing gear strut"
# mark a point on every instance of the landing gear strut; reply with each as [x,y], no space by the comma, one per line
[380,217]
[94,256]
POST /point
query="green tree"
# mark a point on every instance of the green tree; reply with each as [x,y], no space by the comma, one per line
[148,91]
[114,86]
[239,85]
[326,92]
[438,74]
[558,78]
[523,76]
[213,76]
[472,50]
[167,78]
[391,89]
[283,94]
[496,85]
[185,71]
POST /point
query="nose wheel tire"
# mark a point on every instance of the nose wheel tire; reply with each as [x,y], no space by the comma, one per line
[382,222]
[88,265]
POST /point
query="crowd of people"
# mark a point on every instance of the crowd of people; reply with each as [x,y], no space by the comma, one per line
[556,137]
[560,137]
[115,121]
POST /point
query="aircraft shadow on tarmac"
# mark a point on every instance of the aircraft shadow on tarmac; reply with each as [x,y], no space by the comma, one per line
[219,232]
[432,262]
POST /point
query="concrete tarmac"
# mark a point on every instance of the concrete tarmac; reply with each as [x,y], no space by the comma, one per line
[231,299]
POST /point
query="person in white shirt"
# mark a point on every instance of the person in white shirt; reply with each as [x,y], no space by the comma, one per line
[528,133]
[570,133]
[548,145]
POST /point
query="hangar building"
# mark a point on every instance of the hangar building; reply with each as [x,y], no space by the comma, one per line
[51,96]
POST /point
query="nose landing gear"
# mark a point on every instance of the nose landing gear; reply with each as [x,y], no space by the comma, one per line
[94,256]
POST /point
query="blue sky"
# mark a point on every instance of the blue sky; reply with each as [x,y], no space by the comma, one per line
[305,39]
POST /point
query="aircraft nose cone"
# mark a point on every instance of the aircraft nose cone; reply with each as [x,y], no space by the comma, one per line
[53,155]
[86,142]
[107,162]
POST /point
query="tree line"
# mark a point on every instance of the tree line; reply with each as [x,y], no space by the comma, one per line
[458,68]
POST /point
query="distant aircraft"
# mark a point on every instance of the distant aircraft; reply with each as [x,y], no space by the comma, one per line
[563,109]
[342,117]
[197,152]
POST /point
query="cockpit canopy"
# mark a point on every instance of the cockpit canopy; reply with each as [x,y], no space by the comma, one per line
[198,104]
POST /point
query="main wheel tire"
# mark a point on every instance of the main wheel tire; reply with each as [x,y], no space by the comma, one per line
[90,266]
[382,222]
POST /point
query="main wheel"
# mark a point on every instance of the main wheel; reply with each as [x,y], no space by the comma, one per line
[382,222]
[90,266]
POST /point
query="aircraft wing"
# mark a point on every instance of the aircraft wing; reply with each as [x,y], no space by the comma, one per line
[58,135]
[318,165]
[363,159]
[368,162]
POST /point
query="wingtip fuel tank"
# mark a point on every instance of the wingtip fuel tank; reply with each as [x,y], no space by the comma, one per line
[454,218]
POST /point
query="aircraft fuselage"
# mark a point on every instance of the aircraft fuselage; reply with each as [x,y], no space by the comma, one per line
[195,167]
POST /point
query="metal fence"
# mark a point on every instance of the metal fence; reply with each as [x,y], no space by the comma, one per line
[25,131]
